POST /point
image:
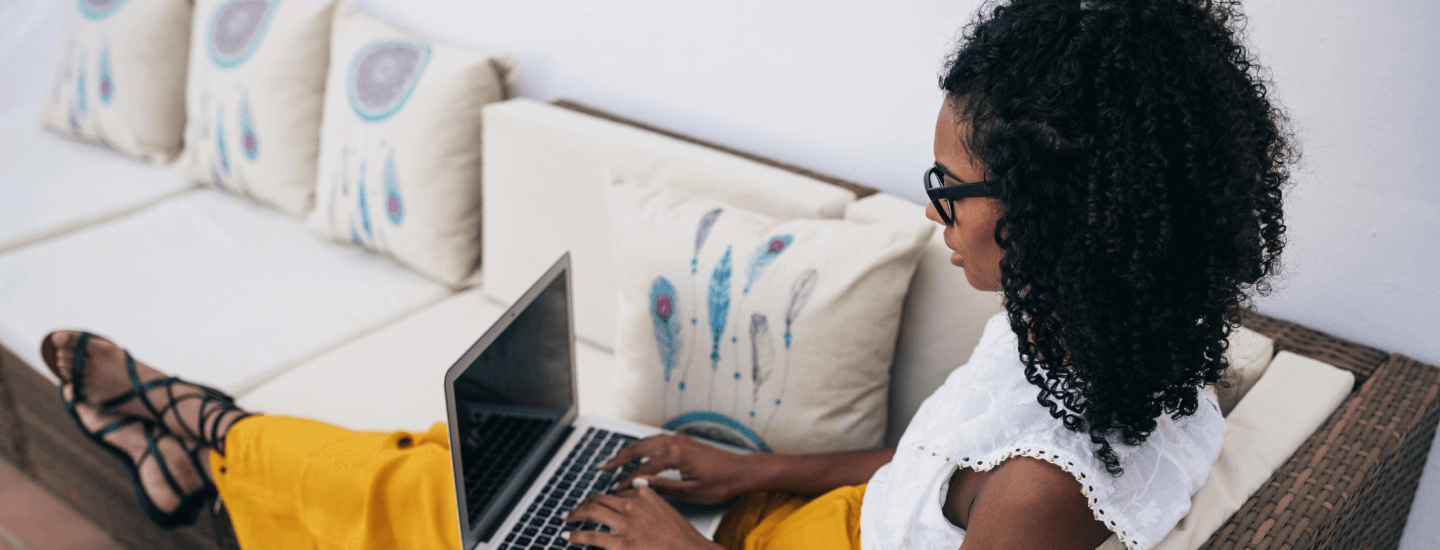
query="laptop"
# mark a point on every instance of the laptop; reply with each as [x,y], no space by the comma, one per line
[522,456]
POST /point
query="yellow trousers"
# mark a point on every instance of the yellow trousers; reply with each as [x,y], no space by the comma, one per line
[302,484]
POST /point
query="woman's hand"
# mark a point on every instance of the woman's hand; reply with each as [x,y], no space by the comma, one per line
[708,475]
[638,518]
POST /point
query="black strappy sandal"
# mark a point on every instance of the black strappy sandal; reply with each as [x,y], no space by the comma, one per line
[214,404]
[190,504]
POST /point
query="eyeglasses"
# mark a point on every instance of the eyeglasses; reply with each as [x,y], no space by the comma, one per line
[938,191]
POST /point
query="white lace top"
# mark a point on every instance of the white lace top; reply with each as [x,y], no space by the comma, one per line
[986,412]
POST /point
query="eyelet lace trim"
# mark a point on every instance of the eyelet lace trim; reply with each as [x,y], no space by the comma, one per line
[1087,486]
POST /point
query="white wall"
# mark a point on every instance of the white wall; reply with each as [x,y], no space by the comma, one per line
[848,87]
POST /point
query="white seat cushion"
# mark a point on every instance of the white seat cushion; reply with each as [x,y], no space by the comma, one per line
[394,378]
[1293,399]
[204,286]
[544,195]
[942,320]
[66,185]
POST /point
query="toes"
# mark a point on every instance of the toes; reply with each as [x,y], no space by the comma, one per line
[64,339]
[50,348]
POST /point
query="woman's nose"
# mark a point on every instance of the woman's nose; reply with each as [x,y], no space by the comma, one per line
[932,214]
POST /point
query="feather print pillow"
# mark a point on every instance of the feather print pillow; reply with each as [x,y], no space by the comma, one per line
[256,81]
[399,170]
[771,335]
[119,76]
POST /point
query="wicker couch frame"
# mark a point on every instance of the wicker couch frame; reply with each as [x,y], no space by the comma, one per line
[1350,485]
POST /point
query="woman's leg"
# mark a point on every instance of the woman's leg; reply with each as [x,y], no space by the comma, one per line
[287,482]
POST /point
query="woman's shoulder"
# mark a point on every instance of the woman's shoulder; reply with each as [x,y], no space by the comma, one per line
[1152,492]
[1028,502]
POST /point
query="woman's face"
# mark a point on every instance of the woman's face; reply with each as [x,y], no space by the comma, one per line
[972,238]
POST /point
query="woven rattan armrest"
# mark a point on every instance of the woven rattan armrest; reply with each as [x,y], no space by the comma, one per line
[1350,485]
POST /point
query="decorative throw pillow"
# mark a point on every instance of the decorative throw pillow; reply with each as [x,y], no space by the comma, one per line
[120,76]
[257,79]
[772,335]
[400,146]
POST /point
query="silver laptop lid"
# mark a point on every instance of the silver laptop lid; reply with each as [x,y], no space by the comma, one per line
[511,400]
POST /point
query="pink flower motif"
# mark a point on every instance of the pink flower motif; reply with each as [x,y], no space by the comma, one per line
[249,141]
[663,307]
[393,204]
[777,245]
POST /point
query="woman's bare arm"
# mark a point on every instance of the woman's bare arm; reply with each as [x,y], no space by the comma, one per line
[817,473]
[1025,503]
[713,475]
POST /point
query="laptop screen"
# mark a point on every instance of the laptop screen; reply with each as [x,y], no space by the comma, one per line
[513,397]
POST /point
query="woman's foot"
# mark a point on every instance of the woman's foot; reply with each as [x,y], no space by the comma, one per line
[195,412]
[175,480]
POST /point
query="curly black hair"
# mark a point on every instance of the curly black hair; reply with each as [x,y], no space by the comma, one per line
[1142,164]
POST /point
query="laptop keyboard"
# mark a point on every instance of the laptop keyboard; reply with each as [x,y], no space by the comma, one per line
[575,479]
[498,445]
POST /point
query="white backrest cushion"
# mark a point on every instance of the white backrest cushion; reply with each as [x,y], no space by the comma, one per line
[1249,355]
[1293,399]
[943,315]
[544,195]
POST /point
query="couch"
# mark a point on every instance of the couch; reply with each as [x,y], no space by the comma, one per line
[226,292]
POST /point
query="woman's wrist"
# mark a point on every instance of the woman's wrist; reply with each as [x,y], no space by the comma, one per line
[764,469]
[816,473]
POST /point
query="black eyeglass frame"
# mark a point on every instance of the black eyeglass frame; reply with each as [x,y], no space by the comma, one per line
[937,190]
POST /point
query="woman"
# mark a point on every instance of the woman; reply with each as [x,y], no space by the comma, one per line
[1114,168]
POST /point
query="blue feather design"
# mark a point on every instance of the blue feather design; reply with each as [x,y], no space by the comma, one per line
[220,139]
[394,204]
[664,312]
[799,295]
[719,305]
[80,90]
[701,233]
[249,140]
[107,80]
[765,255]
[363,205]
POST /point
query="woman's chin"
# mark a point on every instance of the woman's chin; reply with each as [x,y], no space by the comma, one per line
[956,260]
